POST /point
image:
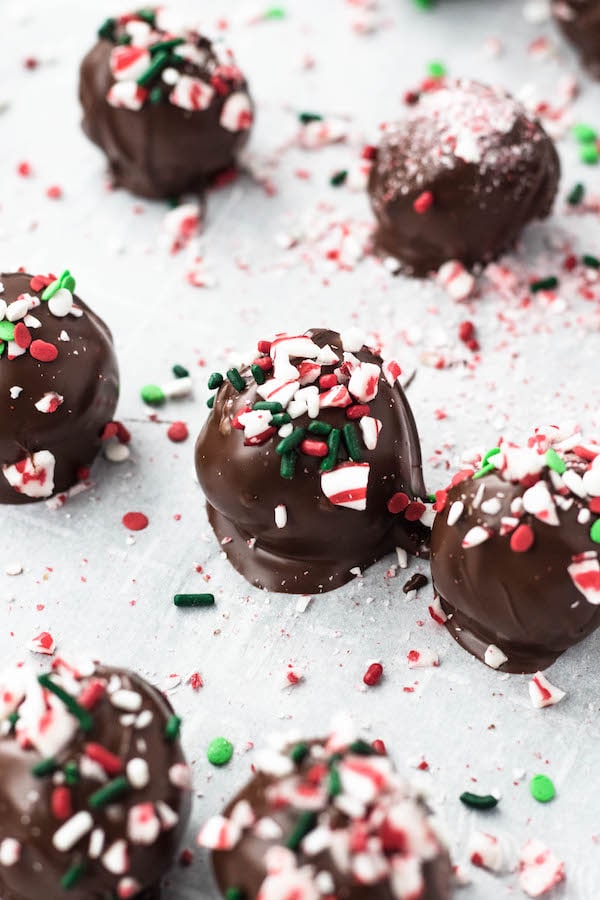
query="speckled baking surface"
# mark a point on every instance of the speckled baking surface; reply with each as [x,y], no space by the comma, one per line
[100,591]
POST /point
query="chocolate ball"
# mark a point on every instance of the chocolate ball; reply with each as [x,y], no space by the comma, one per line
[95,791]
[326,819]
[310,463]
[460,177]
[58,386]
[579,21]
[168,108]
[515,551]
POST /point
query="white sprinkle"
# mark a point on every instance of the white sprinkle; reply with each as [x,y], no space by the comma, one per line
[15,391]
[116,452]
[72,831]
[138,773]
[14,568]
[10,852]
[96,845]
[61,303]
[402,557]
[491,507]
[144,719]
[280,515]
[130,701]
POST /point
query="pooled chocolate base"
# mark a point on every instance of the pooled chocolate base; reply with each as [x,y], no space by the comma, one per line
[30,814]
[524,603]
[490,170]
[579,21]
[84,374]
[321,543]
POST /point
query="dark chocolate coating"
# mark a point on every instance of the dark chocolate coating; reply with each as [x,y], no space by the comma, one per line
[26,814]
[244,866]
[321,542]
[85,374]
[490,168]
[160,150]
[579,21]
[524,603]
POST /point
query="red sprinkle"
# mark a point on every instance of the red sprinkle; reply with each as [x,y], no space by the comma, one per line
[135,521]
[595,505]
[368,152]
[22,336]
[110,762]
[466,331]
[54,192]
[91,694]
[177,432]
[43,351]
[60,803]
[373,674]
[264,346]
[312,447]
[522,538]
[38,282]
[423,202]
[24,169]
[357,411]
[379,747]
[264,362]
[414,511]
[398,502]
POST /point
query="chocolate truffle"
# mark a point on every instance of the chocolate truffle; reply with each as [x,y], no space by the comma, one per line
[58,386]
[169,108]
[580,22]
[460,177]
[515,551]
[95,792]
[326,819]
[310,463]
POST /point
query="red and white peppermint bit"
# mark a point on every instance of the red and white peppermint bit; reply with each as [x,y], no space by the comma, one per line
[422,659]
[236,114]
[116,858]
[475,536]
[538,501]
[43,643]
[543,693]
[49,403]
[436,612]
[584,572]
[143,825]
[494,657]
[370,429]
[219,833]
[10,852]
[128,888]
[127,95]
[458,283]
[33,475]
[346,485]
[539,869]
[181,225]
[191,93]
[128,62]
[364,382]
[485,851]
[337,397]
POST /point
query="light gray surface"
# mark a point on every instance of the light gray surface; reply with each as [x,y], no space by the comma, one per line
[101,593]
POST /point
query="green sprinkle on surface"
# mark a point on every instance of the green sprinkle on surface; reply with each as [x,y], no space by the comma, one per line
[180,371]
[299,752]
[584,134]
[173,727]
[544,284]
[478,801]
[152,394]
[542,789]
[338,178]
[436,69]
[595,532]
[576,195]
[219,751]
[592,262]
[588,154]
[185,600]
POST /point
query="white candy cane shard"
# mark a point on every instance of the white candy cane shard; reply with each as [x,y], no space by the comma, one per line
[538,501]
[485,851]
[392,371]
[370,429]
[116,858]
[364,382]
[128,62]
[49,403]
[219,833]
[191,94]
[584,572]
[127,95]
[353,339]
[32,476]
[280,516]
[455,512]
[335,397]
[10,852]
[539,869]
[422,659]
[236,114]
[456,281]
[475,536]
[543,693]
[278,390]
[494,657]
[346,485]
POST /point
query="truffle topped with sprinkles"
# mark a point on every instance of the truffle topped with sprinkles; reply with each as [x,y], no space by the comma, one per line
[310,462]
[327,819]
[515,548]
[58,386]
[94,788]
[580,22]
[168,107]
[460,176]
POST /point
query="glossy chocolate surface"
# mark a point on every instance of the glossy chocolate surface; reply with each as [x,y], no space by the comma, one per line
[321,542]
[130,855]
[579,21]
[489,168]
[84,374]
[532,604]
[155,148]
